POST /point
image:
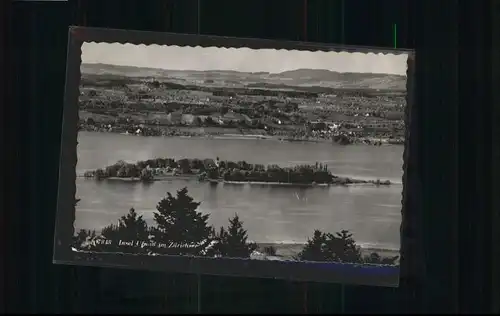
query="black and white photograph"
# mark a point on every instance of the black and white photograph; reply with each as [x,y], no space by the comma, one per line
[257,154]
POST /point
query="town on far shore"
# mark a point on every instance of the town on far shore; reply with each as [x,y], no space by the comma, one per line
[218,144]
[298,105]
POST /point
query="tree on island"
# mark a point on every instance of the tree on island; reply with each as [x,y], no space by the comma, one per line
[213,173]
[181,230]
[198,121]
[233,241]
[146,175]
[184,166]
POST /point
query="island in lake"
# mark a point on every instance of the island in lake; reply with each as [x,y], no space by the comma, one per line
[215,171]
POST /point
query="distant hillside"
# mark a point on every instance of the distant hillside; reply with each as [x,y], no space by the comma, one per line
[132,71]
[297,78]
[126,71]
[346,79]
[324,74]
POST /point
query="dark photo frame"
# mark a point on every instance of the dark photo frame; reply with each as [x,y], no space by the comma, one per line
[349,273]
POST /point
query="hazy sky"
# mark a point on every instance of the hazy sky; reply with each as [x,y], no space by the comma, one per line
[239,59]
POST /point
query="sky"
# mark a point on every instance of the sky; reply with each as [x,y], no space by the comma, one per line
[239,59]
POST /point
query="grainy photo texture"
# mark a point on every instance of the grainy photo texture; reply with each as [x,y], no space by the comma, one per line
[257,154]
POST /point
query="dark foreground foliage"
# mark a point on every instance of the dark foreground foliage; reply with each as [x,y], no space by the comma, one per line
[180,229]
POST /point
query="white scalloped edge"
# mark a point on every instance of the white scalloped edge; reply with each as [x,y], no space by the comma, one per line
[67,180]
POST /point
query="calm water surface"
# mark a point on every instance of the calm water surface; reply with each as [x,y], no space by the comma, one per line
[270,214]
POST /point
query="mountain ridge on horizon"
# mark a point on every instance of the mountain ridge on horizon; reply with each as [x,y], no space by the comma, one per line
[293,72]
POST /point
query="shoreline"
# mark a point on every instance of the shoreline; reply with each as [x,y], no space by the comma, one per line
[195,178]
[365,141]
[286,251]
[226,172]
[300,184]
[136,179]
[290,251]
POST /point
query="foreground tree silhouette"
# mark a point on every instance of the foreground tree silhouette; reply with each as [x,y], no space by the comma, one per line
[316,248]
[83,236]
[375,258]
[180,228]
[131,227]
[127,236]
[233,241]
[347,250]
[270,250]
[339,247]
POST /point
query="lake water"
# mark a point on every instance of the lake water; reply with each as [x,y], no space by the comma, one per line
[270,214]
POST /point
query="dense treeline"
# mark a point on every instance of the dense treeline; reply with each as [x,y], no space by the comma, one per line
[241,171]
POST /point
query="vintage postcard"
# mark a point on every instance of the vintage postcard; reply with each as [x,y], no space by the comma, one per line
[196,154]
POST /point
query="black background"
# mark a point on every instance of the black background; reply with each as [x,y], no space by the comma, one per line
[33,124]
